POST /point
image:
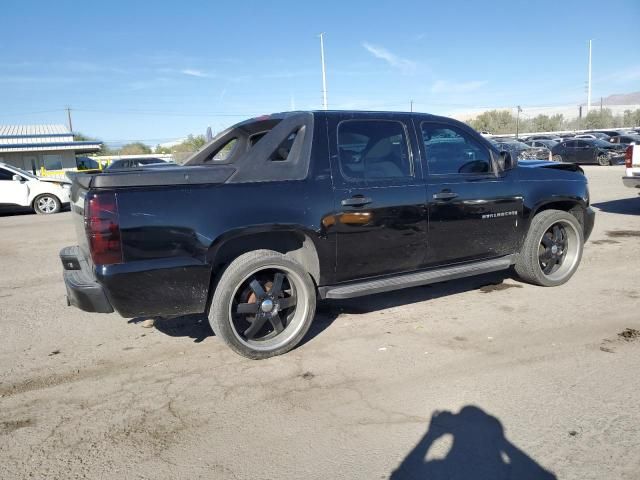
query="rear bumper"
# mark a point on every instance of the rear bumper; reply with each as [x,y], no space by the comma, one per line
[589,220]
[83,291]
[631,182]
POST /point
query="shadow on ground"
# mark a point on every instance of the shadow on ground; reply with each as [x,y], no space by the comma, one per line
[197,326]
[624,206]
[470,444]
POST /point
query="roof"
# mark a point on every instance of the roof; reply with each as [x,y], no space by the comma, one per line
[29,130]
[29,138]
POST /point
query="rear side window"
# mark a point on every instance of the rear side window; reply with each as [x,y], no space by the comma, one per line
[373,149]
[226,150]
[451,151]
[284,149]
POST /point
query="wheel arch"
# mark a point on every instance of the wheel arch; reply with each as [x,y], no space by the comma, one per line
[293,242]
[574,206]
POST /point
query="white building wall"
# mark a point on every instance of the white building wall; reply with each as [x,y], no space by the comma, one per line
[34,161]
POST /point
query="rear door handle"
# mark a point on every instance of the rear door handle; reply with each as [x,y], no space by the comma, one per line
[357,201]
[445,195]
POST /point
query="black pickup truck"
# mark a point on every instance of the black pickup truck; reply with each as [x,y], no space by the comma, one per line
[280,210]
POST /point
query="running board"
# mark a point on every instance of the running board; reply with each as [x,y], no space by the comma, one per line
[368,287]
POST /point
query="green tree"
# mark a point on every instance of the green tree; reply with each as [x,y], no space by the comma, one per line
[192,143]
[81,137]
[631,118]
[598,119]
[135,148]
[162,150]
[495,121]
[545,123]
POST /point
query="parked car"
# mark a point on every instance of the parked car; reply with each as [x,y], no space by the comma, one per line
[631,177]
[626,139]
[136,163]
[521,150]
[609,133]
[599,135]
[542,143]
[21,189]
[555,138]
[587,150]
[323,205]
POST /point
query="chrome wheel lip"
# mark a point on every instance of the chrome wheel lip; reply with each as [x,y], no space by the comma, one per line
[570,254]
[46,204]
[293,326]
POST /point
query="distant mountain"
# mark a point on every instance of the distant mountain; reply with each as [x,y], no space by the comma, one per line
[622,99]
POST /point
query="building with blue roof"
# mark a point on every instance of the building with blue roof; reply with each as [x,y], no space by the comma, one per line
[42,147]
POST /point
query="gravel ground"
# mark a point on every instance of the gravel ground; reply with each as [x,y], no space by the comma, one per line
[480,378]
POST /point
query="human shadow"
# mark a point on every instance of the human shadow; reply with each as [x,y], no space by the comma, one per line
[478,450]
[624,206]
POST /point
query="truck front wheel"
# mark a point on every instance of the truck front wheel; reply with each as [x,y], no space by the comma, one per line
[263,304]
[552,249]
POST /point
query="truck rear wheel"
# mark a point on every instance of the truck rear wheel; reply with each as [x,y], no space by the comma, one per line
[552,249]
[263,304]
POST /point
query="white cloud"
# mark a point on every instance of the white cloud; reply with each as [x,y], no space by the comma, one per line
[443,86]
[403,64]
[194,73]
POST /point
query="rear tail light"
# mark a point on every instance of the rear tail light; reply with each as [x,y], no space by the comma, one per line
[628,156]
[102,227]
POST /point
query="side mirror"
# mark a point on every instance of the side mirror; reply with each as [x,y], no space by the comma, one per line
[506,161]
[17,178]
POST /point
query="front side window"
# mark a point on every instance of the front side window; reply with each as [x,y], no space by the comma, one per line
[373,150]
[452,151]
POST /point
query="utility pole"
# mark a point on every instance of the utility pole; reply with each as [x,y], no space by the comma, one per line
[518,121]
[411,105]
[579,116]
[69,124]
[589,82]
[324,73]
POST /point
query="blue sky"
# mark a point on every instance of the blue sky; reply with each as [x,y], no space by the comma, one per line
[158,71]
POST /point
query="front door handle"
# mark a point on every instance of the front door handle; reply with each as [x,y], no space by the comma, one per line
[445,195]
[357,201]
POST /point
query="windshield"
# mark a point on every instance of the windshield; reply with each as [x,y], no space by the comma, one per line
[24,172]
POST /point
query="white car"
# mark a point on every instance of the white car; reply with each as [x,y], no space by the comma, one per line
[631,177]
[19,188]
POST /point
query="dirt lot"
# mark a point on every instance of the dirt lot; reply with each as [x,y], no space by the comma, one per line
[481,378]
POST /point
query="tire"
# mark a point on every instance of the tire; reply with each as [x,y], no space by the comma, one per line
[548,259]
[557,158]
[257,313]
[603,160]
[46,204]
